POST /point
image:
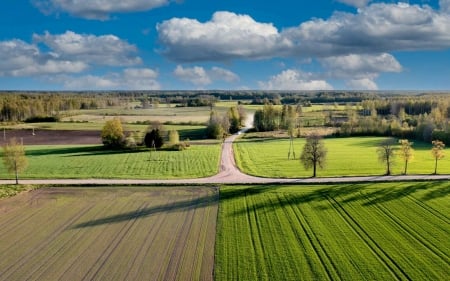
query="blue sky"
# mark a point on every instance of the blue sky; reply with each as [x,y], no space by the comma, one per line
[225,44]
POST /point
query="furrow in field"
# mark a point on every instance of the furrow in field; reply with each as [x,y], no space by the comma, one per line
[44,244]
[94,244]
[136,264]
[198,258]
[73,240]
[252,219]
[408,230]
[168,252]
[48,258]
[101,261]
[207,238]
[426,207]
[289,261]
[397,241]
[388,261]
[139,265]
[186,243]
[125,252]
[321,254]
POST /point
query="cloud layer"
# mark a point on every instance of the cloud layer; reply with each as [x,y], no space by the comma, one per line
[378,28]
[128,79]
[199,76]
[97,9]
[67,53]
[294,80]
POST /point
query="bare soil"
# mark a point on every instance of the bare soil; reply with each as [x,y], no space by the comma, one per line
[51,137]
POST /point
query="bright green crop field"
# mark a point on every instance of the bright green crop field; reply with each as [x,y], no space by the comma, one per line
[94,162]
[346,157]
[383,231]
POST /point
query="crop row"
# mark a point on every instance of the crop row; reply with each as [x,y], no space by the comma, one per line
[347,232]
[109,234]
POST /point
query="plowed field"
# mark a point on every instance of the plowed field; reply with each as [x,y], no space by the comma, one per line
[133,233]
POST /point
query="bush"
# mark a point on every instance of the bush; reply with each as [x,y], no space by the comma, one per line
[112,134]
[153,139]
[178,146]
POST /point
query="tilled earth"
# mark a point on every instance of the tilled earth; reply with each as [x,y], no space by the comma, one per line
[51,137]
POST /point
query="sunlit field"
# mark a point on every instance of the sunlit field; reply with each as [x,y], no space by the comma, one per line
[346,157]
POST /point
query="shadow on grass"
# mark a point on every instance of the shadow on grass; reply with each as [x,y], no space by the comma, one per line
[341,194]
[80,151]
[65,150]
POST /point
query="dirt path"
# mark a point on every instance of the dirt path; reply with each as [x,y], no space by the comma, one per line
[230,174]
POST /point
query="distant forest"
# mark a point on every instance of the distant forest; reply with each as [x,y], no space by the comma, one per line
[423,116]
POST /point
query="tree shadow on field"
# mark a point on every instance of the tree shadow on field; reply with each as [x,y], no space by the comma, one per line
[62,151]
[340,195]
[184,205]
[440,191]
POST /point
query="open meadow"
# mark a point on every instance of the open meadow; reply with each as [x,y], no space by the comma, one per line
[88,161]
[355,156]
[384,231]
[109,233]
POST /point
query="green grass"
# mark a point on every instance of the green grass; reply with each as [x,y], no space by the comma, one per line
[14,189]
[346,157]
[109,233]
[385,231]
[95,162]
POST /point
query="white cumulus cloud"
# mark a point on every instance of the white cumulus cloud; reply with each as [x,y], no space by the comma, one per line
[377,28]
[97,9]
[226,36]
[361,66]
[128,79]
[218,73]
[445,6]
[362,84]
[102,50]
[292,79]
[200,76]
[355,3]
[19,58]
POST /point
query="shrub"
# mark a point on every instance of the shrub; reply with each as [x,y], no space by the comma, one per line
[112,134]
[153,139]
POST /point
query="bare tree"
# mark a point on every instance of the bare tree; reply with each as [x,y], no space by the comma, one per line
[314,153]
[386,154]
[14,158]
[406,152]
[438,152]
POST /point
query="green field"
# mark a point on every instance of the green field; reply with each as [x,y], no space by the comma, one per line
[389,231]
[346,157]
[131,233]
[81,161]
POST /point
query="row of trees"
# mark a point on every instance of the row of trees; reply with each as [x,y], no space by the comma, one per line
[20,107]
[314,153]
[113,137]
[229,123]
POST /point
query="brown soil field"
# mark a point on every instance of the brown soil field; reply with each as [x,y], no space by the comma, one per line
[52,137]
[87,233]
